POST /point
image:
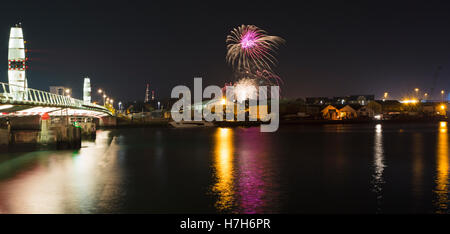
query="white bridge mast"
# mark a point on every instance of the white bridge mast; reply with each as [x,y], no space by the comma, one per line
[17,63]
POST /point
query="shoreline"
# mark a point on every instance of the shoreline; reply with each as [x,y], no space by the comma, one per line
[165,123]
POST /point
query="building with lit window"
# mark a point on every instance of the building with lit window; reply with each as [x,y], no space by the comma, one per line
[61,90]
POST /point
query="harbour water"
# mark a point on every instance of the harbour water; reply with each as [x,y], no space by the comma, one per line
[360,168]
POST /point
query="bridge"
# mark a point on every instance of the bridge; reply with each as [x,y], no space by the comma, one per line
[37,102]
[34,117]
[19,100]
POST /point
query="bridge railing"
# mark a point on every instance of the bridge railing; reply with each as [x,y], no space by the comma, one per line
[13,94]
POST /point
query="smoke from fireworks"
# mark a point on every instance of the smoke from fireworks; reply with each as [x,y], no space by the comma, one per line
[251,49]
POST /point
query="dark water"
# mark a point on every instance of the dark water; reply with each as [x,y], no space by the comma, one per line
[387,168]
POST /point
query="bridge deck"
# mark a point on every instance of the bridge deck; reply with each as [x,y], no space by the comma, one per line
[33,101]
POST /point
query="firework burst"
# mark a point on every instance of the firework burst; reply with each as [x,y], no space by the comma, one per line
[246,88]
[251,49]
[251,54]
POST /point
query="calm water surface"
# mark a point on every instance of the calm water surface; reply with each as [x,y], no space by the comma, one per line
[389,168]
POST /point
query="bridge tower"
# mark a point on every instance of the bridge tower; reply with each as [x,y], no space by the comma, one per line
[17,63]
[87,90]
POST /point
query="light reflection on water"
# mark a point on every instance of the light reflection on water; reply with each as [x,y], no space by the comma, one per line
[243,172]
[379,165]
[62,182]
[237,170]
[257,190]
[441,190]
[223,164]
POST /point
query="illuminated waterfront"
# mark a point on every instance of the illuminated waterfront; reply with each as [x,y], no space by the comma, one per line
[361,168]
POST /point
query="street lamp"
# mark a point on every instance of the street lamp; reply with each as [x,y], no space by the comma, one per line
[442,95]
[417,92]
[385,96]
[425,96]
[100,91]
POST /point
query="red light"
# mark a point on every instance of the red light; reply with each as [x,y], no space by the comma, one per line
[45,116]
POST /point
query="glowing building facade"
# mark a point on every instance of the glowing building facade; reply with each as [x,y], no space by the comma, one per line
[147,94]
[87,90]
[17,63]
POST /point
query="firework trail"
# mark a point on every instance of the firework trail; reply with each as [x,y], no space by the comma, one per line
[251,49]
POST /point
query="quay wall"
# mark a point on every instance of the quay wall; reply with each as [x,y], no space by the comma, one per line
[23,132]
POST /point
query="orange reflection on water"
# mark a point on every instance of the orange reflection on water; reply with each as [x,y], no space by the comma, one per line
[223,164]
[442,170]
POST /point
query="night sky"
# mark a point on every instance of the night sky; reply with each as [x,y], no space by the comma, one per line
[332,48]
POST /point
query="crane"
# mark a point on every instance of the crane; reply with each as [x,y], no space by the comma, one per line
[435,77]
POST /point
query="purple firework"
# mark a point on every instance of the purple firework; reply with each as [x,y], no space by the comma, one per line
[251,49]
